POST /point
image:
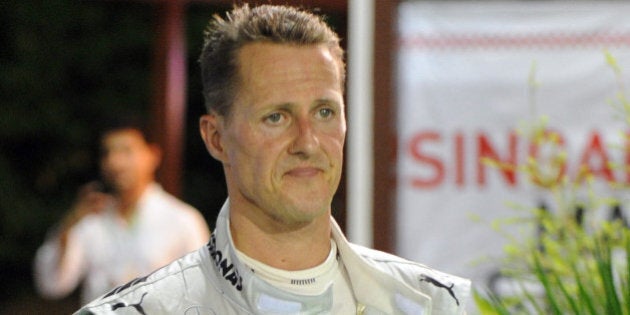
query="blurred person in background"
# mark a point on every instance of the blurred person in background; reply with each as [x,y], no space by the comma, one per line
[121,226]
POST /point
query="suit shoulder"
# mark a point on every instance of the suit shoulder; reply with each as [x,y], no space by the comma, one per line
[443,288]
[169,283]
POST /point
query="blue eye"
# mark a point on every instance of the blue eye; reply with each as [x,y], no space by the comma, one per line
[274,118]
[325,112]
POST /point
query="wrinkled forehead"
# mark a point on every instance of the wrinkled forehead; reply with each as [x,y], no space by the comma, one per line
[261,62]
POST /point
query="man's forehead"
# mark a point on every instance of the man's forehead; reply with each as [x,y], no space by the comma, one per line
[121,136]
[279,58]
[281,68]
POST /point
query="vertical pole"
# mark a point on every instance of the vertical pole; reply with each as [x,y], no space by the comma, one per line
[170,92]
[360,114]
[384,150]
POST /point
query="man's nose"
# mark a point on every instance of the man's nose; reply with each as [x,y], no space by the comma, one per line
[306,141]
[112,161]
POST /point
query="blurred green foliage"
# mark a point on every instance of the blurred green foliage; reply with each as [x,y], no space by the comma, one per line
[578,262]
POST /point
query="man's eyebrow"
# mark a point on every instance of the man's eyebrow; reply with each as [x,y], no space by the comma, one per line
[272,107]
[288,106]
[282,106]
[324,100]
[327,101]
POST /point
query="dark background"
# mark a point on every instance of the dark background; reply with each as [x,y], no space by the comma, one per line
[65,67]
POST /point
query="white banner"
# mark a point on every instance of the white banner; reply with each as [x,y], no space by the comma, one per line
[470,74]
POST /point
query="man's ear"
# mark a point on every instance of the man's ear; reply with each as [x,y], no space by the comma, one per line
[211,129]
[156,152]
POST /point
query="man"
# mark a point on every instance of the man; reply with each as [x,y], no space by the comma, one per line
[273,81]
[121,228]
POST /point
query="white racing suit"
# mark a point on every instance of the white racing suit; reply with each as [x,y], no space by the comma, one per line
[212,280]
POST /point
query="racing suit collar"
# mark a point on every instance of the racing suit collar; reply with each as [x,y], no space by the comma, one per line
[250,291]
[375,291]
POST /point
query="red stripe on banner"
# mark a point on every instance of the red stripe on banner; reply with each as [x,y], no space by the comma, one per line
[514,41]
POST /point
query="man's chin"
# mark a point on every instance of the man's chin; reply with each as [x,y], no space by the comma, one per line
[304,212]
[120,188]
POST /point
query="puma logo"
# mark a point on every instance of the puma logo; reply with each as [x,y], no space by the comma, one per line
[439,284]
[137,306]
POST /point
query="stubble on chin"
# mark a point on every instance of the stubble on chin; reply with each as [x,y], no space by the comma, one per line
[296,214]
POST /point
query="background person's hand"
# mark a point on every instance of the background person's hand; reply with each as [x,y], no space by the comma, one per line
[90,199]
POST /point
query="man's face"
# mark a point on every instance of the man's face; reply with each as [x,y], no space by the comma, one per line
[128,162]
[282,143]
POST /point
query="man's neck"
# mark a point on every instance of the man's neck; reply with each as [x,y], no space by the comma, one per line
[289,249]
[127,201]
